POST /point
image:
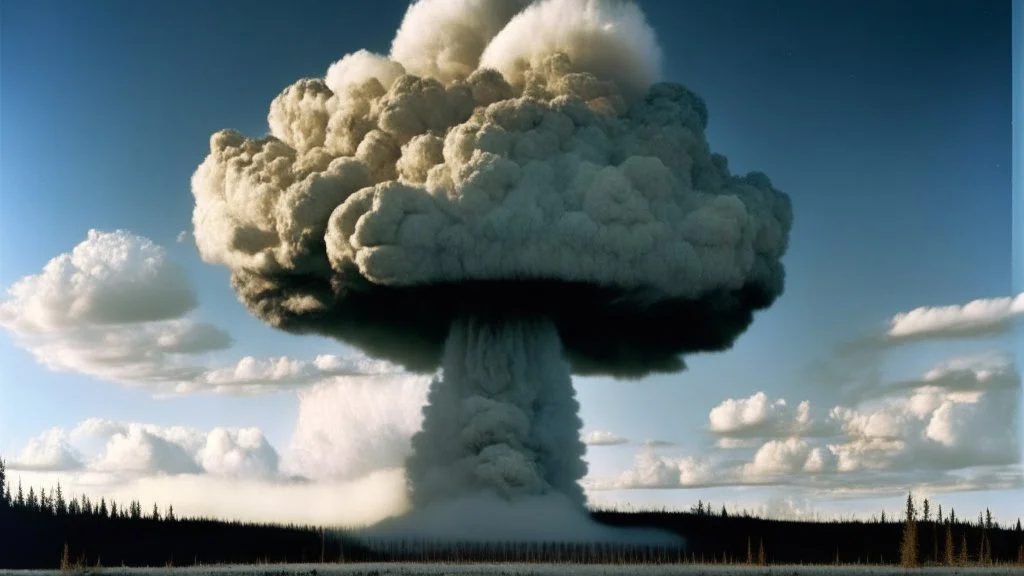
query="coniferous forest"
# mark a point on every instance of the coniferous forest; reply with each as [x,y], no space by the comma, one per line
[46,528]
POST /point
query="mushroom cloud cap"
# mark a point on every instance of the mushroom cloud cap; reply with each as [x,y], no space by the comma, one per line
[507,159]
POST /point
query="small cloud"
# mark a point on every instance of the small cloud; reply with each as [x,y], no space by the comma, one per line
[183,236]
[114,307]
[983,317]
[48,451]
[600,438]
[758,416]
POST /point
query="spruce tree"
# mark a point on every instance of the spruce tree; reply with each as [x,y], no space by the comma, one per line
[952,516]
[1018,525]
[170,513]
[156,513]
[908,546]
[988,519]
[940,514]
[20,500]
[103,507]
[4,503]
[30,502]
[61,505]
[113,508]
[73,507]
[925,511]
[949,556]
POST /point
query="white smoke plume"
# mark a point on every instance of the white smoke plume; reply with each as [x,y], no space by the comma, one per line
[510,196]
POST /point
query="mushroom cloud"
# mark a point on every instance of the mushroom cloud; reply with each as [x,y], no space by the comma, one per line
[511,196]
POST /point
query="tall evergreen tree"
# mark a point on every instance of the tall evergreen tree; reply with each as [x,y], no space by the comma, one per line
[908,545]
[170,513]
[30,501]
[7,495]
[4,503]
[156,513]
[61,505]
[74,509]
[20,500]
[1018,525]
[113,508]
[940,514]
[952,516]
[103,507]
[925,511]
[949,555]
[988,519]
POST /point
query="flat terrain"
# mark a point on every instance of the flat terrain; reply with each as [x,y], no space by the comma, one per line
[529,569]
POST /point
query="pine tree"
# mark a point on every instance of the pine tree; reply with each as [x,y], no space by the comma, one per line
[1018,525]
[988,519]
[113,508]
[7,495]
[73,508]
[883,516]
[156,513]
[700,507]
[4,503]
[170,513]
[61,504]
[908,546]
[952,516]
[103,507]
[20,501]
[949,546]
[30,502]
[724,513]
[940,514]
[925,511]
[981,520]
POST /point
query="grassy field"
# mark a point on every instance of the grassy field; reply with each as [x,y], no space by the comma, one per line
[410,569]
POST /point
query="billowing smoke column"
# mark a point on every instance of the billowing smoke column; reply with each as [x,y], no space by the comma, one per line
[508,196]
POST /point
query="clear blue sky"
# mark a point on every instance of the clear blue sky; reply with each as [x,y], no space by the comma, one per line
[888,123]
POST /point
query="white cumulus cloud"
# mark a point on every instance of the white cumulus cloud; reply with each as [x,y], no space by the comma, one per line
[980,317]
[602,438]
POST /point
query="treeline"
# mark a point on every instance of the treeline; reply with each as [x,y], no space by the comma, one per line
[49,529]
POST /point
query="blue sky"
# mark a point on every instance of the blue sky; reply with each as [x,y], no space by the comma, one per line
[888,124]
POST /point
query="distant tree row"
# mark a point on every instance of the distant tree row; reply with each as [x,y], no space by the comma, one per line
[54,501]
[47,528]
